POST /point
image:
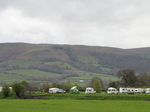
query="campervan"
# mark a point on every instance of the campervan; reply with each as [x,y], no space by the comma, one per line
[112,90]
[74,90]
[90,90]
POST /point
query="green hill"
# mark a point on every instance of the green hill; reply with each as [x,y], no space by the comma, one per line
[57,63]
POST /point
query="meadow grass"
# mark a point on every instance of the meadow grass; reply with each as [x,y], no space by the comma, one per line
[87,75]
[73,106]
[33,72]
[23,74]
[62,64]
[21,63]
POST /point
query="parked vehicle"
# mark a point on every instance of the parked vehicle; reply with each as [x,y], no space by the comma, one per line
[56,90]
[123,90]
[112,90]
[147,90]
[131,90]
[74,90]
[90,90]
[1,88]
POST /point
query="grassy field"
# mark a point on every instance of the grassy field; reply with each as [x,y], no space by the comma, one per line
[73,106]
[24,72]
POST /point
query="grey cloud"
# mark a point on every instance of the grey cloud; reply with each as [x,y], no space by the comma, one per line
[88,22]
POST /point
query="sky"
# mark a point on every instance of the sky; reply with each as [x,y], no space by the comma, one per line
[111,23]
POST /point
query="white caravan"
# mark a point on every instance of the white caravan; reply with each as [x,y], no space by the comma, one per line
[1,88]
[112,90]
[131,90]
[90,90]
[56,90]
[123,90]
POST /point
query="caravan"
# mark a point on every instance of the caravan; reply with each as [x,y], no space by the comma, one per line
[131,90]
[1,89]
[10,88]
[90,90]
[56,90]
[123,90]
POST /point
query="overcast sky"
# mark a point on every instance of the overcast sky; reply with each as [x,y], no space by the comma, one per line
[113,23]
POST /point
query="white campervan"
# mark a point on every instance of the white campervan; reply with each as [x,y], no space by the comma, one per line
[90,90]
[112,90]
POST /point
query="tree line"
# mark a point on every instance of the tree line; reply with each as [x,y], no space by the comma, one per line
[24,89]
[129,78]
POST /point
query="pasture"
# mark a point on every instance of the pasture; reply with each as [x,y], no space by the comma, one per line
[17,105]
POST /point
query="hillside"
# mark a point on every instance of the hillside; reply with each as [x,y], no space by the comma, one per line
[47,62]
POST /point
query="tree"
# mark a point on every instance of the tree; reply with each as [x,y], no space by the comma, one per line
[144,79]
[113,84]
[128,77]
[18,89]
[96,83]
[46,87]
[97,86]
[67,85]
[6,90]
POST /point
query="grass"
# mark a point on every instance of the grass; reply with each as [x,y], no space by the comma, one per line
[33,72]
[73,106]
[62,64]
[88,76]
[9,76]
[21,63]
[23,74]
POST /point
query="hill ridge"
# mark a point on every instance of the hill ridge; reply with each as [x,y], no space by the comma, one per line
[69,61]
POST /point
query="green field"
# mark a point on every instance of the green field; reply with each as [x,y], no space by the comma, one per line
[73,106]
[18,70]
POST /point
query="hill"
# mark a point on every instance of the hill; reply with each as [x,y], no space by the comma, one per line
[48,62]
